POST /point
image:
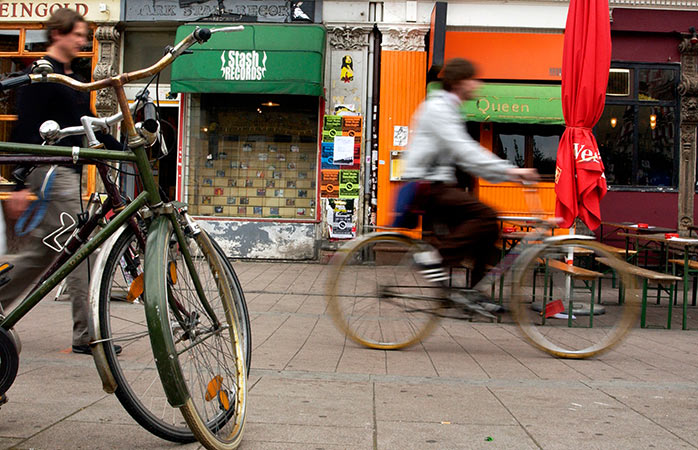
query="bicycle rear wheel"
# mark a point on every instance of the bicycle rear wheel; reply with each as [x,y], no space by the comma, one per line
[123,321]
[376,295]
[197,344]
[557,306]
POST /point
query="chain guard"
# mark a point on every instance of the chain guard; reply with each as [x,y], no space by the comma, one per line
[9,360]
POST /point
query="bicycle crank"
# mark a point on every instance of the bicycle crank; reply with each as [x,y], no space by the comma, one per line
[9,360]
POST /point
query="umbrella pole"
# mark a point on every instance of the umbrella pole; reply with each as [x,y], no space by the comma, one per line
[568,280]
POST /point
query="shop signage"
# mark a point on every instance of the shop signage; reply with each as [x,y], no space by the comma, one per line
[221,10]
[29,11]
[516,103]
[268,58]
[243,66]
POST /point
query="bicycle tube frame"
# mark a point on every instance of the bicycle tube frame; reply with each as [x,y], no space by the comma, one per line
[52,281]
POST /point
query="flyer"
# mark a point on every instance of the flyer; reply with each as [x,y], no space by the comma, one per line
[343,151]
[349,184]
[329,184]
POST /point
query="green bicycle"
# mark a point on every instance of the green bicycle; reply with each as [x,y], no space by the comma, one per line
[188,292]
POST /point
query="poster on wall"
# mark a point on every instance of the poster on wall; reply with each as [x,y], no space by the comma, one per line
[329,184]
[343,151]
[340,219]
[349,184]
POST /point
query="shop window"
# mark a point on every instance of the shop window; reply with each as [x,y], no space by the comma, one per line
[252,156]
[20,45]
[531,146]
[9,40]
[637,134]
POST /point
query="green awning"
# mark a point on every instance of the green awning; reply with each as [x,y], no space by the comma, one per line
[516,103]
[262,59]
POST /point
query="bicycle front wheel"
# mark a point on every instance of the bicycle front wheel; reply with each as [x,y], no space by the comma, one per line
[573,311]
[376,295]
[123,321]
[195,337]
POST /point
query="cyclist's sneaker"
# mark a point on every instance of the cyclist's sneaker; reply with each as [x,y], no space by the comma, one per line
[477,302]
[3,399]
[429,263]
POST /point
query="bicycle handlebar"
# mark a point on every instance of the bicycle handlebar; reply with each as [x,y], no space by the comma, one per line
[14,82]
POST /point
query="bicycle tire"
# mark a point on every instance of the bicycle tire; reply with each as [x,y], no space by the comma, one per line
[367,307]
[147,411]
[592,328]
[201,362]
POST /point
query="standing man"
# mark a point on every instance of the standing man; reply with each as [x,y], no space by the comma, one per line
[457,224]
[67,33]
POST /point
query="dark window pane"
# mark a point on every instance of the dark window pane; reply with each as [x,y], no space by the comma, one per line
[511,147]
[656,146]
[142,49]
[657,84]
[614,134]
[9,40]
[545,153]
[533,146]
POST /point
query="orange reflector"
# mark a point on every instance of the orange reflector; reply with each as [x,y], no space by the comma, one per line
[214,387]
[173,272]
[223,397]
[136,289]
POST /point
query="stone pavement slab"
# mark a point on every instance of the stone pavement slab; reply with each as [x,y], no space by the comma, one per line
[469,385]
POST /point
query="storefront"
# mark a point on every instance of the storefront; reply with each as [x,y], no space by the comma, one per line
[248,164]
[23,40]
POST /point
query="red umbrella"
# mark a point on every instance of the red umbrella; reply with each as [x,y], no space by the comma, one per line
[586,58]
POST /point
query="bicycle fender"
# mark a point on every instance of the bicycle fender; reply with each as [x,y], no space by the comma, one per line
[108,382]
[156,311]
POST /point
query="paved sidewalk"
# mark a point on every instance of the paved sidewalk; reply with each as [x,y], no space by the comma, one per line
[470,385]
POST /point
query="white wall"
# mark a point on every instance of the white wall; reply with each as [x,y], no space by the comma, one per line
[542,15]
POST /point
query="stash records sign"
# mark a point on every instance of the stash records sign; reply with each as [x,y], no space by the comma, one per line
[243,66]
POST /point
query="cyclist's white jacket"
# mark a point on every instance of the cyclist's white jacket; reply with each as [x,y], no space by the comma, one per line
[439,143]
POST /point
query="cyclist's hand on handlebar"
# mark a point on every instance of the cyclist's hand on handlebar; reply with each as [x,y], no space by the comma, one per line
[524,175]
[17,203]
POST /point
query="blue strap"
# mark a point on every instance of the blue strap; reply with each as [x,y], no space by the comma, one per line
[36,211]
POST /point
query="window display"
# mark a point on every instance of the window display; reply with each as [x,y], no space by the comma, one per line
[252,156]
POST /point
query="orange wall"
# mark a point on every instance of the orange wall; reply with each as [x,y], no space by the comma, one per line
[402,89]
[509,56]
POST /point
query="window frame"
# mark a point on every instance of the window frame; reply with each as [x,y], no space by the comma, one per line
[634,101]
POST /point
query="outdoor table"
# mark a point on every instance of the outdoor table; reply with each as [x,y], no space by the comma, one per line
[683,244]
[631,230]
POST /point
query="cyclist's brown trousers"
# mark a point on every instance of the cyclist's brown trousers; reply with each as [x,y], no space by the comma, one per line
[459,226]
[36,256]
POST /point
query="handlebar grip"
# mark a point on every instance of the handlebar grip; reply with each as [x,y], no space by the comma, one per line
[150,119]
[202,34]
[14,82]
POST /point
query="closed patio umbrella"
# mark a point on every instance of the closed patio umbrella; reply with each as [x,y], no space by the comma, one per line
[580,183]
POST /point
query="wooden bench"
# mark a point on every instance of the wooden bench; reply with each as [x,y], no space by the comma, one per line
[647,277]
